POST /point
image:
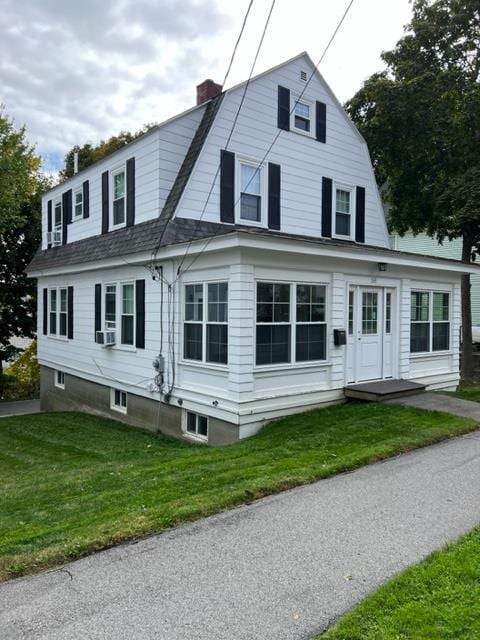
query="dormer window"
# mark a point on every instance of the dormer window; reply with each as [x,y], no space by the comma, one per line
[78,204]
[251,178]
[118,204]
[57,216]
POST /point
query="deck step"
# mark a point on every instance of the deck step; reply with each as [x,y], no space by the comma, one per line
[383,390]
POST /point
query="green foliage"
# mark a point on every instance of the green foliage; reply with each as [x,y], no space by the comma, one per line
[23,376]
[74,483]
[20,211]
[90,153]
[421,120]
[438,599]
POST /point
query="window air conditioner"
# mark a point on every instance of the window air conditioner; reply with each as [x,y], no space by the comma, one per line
[54,238]
[105,338]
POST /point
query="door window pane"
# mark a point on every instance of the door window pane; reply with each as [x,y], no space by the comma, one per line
[388,312]
[351,302]
[369,312]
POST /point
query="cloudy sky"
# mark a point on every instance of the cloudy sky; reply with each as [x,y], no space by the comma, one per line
[76,71]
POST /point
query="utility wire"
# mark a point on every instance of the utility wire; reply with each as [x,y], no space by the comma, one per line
[227,73]
[208,240]
[212,186]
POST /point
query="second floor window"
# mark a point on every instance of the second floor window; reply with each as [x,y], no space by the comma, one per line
[118,198]
[302,116]
[78,203]
[343,213]
[57,216]
[250,193]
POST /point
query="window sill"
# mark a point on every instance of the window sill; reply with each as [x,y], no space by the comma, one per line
[204,365]
[314,364]
[431,354]
[115,227]
[119,410]
[251,223]
[58,338]
[305,134]
[124,347]
[195,437]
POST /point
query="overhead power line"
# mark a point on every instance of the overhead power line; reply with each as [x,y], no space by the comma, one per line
[245,89]
[257,169]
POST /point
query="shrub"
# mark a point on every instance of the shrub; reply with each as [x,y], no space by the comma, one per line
[21,380]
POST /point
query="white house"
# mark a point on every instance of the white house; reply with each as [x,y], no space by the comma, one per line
[187,283]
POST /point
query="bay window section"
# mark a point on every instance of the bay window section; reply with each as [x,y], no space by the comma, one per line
[311,327]
[273,334]
[217,325]
[193,326]
[128,314]
[429,321]
[205,333]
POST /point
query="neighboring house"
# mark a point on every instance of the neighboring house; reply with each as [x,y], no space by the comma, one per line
[452,249]
[233,309]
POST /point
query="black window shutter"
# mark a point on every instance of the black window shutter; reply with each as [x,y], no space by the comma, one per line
[49,220]
[45,311]
[70,313]
[321,122]
[326,207]
[98,310]
[227,186]
[86,199]
[360,215]
[140,314]
[66,214]
[105,202]
[273,196]
[283,113]
[130,192]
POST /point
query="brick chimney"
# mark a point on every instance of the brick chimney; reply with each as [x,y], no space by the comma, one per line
[206,90]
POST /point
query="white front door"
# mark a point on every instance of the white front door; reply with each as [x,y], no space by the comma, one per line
[370,334]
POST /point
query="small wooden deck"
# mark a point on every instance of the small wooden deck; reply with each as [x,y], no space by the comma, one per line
[383,390]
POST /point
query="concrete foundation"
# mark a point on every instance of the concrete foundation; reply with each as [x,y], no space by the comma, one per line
[90,397]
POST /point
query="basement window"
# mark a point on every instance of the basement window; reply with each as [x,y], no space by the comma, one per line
[60,379]
[196,425]
[118,400]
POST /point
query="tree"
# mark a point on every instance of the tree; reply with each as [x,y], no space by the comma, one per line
[20,186]
[89,153]
[421,119]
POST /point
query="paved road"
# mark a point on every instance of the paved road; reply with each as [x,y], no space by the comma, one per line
[281,568]
[19,408]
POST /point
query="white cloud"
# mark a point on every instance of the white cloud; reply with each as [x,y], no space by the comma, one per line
[80,71]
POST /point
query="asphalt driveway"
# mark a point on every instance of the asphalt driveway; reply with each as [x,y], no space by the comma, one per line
[281,568]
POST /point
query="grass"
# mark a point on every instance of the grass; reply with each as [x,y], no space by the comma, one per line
[467,391]
[438,599]
[72,483]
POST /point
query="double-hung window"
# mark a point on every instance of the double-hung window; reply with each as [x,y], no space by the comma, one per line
[205,332]
[120,311]
[78,204]
[311,326]
[110,307]
[429,321]
[273,323]
[128,313]
[302,117]
[58,312]
[250,193]
[343,212]
[118,205]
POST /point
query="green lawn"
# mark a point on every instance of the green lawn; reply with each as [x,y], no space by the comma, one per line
[467,391]
[71,483]
[438,599]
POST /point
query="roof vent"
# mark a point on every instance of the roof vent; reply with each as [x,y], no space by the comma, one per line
[207,90]
[303,76]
